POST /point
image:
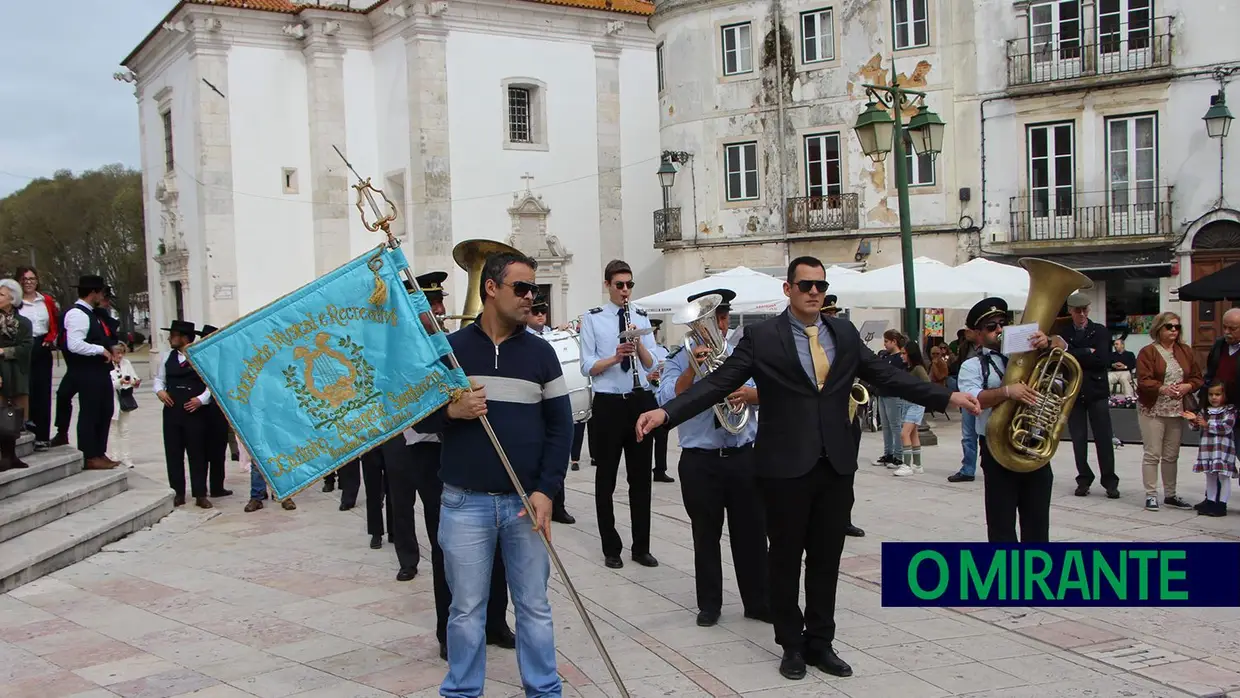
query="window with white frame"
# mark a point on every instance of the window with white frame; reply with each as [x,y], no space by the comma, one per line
[920,168]
[1124,25]
[1055,30]
[817,36]
[737,49]
[658,62]
[740,162]
[823,171]
[1052,170]
[912,23]
[1132,161]
[169,160]
[525,123]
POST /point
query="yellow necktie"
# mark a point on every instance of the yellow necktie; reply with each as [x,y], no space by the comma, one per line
[822,366]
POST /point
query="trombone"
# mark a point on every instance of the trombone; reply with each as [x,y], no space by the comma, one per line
[475,253]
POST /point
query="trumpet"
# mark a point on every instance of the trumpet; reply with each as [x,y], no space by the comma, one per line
[857,397]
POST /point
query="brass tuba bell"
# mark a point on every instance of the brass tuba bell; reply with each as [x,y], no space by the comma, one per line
[471,256]
[699,316]
[1023,438]
[857,397]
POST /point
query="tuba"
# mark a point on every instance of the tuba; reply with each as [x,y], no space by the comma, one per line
[471,256]
[699,315]
[857,397]
[1022,438]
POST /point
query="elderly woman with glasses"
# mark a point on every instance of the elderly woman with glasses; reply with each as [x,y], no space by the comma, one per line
[15,341]
[1166,373]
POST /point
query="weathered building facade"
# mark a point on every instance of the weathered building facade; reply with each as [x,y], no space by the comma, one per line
[1074,132]
[527,121]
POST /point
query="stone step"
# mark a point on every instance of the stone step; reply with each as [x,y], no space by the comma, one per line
[25,444]
[47,466]
[80,535]
[55,500]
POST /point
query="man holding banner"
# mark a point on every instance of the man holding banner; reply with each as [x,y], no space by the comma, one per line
[533,422]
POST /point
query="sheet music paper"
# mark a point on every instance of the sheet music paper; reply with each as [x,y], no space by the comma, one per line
[1018,338]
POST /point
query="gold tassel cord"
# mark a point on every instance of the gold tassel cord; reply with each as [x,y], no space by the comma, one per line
[379,296]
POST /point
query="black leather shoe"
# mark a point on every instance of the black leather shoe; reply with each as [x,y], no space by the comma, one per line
[829,663]
[664,477]
[345,506]
[645,560]
[760,616]
[563,517]
[613,561]
[1082,490]
[406,573]
[851,530]
[957,477]
[575,466]
[329,486]
[792,666]
[376,542]
[59,440]
[1113,493]
[707,619]
[443,651]
[221,493]
[503,638]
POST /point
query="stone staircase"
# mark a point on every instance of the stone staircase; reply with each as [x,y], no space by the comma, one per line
[55,513]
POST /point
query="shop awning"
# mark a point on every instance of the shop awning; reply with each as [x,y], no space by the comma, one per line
[1148,263]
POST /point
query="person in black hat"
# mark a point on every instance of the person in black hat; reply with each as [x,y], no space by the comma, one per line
[717,481]
[414,460]
[85,343]
[829,307]
[68,389]
[215,439]
[1090,344]
[185,417]
[1009,494]
[536,323]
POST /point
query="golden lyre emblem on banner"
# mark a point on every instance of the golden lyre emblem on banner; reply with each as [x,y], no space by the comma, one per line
[328,374]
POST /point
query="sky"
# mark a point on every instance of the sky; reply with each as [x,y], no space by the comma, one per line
[60,108]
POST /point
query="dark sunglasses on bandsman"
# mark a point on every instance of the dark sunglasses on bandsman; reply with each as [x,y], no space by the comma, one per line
[805,286]
[996,325]
[522,289]
[621,285]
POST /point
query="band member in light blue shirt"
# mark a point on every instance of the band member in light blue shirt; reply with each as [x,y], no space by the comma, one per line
[717,479]
[622,393]
[537,324]
[660,435]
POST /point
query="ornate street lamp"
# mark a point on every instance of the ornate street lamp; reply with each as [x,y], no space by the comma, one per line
[1218,117]
[880,134]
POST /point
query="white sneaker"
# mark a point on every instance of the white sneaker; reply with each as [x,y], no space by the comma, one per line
[902,471]
[918,470]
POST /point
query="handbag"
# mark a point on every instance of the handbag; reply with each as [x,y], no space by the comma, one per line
[1190,403]
[126,400]
[11,421]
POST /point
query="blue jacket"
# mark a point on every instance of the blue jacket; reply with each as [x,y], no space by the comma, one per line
[528,406]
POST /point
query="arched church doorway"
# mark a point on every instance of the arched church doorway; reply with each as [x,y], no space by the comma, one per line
[1214,247]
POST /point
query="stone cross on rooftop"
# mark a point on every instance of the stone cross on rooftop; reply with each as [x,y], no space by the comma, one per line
[529,178]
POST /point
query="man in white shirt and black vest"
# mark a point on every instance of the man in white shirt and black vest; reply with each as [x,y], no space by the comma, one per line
[216,439]
[185,396]
[88,362]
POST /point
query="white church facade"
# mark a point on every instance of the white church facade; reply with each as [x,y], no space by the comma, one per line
[534,122]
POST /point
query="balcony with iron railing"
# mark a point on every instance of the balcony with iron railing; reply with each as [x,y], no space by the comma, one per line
[666,225]
[1091,52]
[820,214]
[1065,216]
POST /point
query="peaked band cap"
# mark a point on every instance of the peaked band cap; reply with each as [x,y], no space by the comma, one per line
[985,309]
[727,294]
[829,302]
[181,327]
[432,282]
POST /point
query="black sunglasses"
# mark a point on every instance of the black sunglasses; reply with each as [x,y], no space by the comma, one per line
[624,284]
[805,286]
[992,326]
[1172,327]
[523,288]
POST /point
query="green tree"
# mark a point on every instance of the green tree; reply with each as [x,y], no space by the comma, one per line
[71,225]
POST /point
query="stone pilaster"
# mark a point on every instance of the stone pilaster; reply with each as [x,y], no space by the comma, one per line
[430,169]
[329,177]
[213,255]
[607,111]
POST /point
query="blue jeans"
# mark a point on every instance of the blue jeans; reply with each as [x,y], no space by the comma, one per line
[968,443]
[469,525]
[258,486]
[892,411]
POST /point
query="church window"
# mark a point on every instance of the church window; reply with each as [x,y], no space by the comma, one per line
[288,179]
[525,122]
[658,61]
[737,49]
[169,161]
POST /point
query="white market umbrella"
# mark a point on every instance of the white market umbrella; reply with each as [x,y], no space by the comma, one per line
[1003,280]
[938,286]
[752,288]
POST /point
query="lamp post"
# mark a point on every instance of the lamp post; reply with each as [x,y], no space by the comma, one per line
[667,177]
[1218,120]
[880,134]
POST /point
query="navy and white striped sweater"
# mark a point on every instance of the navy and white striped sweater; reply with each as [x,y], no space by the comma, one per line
[528,406]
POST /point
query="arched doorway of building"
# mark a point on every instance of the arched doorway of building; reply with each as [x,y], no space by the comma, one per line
[1214,247]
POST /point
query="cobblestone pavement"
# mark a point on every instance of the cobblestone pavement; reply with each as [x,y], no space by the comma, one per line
[223,604]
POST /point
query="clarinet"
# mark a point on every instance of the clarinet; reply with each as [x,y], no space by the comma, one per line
[628,322]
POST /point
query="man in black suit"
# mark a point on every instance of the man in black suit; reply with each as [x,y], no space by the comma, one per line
[804,365]
[1090,344]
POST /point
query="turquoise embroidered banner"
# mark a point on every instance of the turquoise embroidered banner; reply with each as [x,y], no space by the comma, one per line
[328,372]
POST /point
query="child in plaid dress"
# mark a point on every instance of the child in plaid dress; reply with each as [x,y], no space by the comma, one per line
[1216,456]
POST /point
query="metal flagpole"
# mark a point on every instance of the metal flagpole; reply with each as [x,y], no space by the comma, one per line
[365,190]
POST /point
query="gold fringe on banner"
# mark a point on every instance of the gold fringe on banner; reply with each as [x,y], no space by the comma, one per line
[379,296]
